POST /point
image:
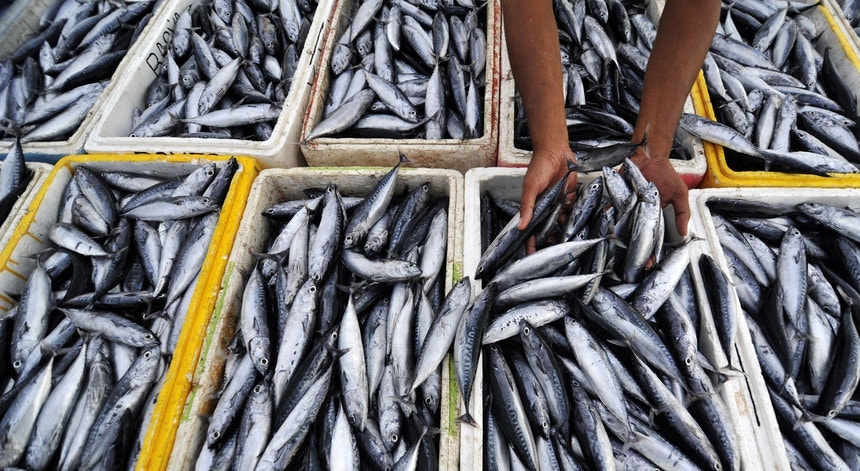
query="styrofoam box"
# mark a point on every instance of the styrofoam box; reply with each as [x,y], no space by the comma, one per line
[278,185]
[753,420]
[111,131]
[446,153]
[16,26]
[40,173]
[31,236]
[691,171]
[845,53]
[783,197]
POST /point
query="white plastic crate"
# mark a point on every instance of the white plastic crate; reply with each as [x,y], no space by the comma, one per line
[446,153]
[110,132]
[752,419]
[770,441]
[279,185]
[691,171]
[17,24]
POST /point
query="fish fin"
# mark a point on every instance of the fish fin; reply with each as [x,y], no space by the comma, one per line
[406,405]
[644,142]
[467,419]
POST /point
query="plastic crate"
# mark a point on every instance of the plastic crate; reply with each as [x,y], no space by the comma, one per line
[111,131]
[691,171]
[40,173]
[754,424]
[771,442]
[31,237]
[277,185]
[447,153]
[845,53]
[17,24]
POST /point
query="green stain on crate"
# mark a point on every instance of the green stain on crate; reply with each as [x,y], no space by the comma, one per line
[457,269]
[214,321]
[453,401]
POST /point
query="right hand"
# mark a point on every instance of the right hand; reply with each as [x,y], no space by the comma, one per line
[545,169]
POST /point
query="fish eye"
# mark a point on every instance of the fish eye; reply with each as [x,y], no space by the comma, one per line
[16,365]
[258,389]
[316,277]
[428,401]
[394,437]
[334,335]
[348,238]
[216,435]
[312,289]
[544,424]
[689,361]
[527,330]
[147,354]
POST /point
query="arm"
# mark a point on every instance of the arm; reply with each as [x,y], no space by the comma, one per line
[532,39]
[683,37]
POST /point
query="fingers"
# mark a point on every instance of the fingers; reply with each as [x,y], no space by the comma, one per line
[681,206]
[527,206]
[532,186]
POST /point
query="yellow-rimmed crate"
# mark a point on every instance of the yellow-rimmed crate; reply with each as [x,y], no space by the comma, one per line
[281,185]
[31,237]
[691,171]
[444,153]
[834,37]
[40,174]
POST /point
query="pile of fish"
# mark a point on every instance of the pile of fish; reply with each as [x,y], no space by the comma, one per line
[605,47]
[86,349]
[342,332]
[51,81]
[229,68]
[780,103]
[408,70]
[795,269]
[14,178]
[591,355]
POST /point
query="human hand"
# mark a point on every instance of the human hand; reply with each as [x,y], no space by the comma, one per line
[545,169]
[672,188]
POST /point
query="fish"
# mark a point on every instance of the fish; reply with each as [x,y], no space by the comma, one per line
[109,346]
[81,52]
[348,343]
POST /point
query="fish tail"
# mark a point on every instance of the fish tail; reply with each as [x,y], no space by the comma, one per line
[403,159]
